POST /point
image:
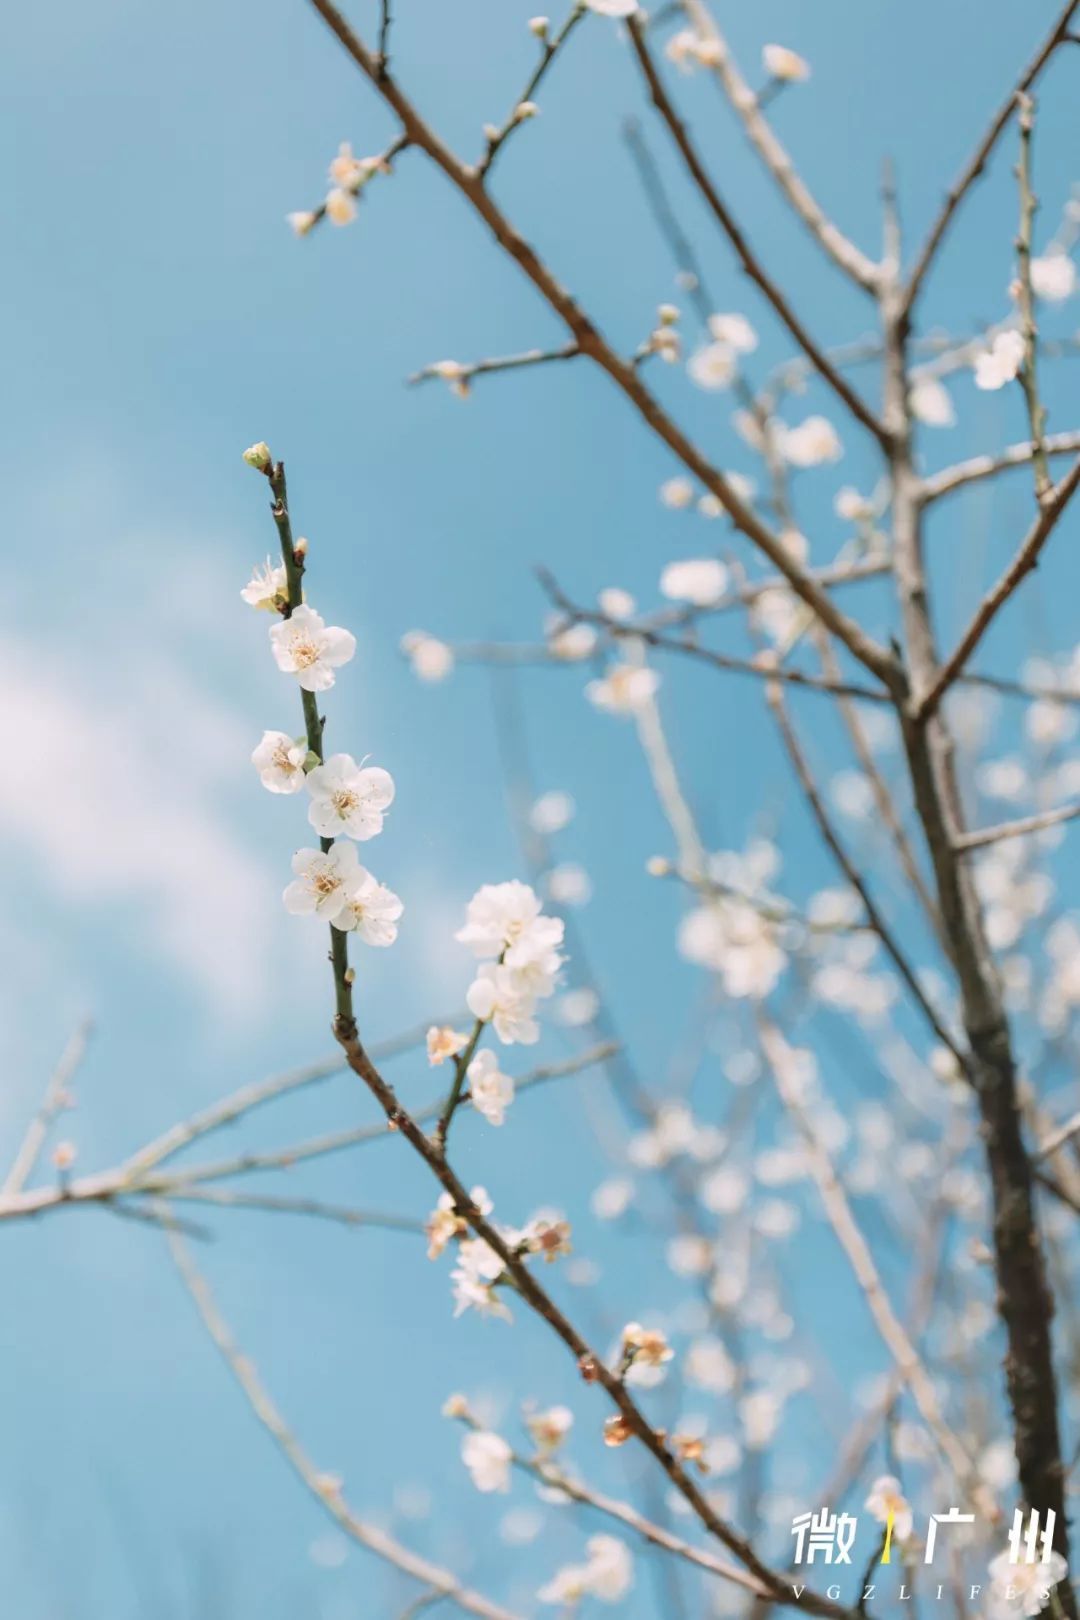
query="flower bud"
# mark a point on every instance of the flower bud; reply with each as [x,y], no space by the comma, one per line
[538,26]
[525,109]
[258,456]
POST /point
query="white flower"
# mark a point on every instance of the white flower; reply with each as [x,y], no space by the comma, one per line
[267,588]
[478,1269]
[931,403]
[322,881]
[1032,1583]
[549,1429]
[301,221]
[506,918]
[491,1091]
[851,506]
[608,1575]
[571,642]
[1000,363]
[645,1346]
[487,1457]
[734,940]
[712,367]
[1053,276]
[432,660]
[568,884]
[305,647]
[677,493]
[616,603]
[552,812]
[613,8]
[625,689]
[279,760]
[610,1568]
[699,580]
[887,1497]
[496,997]
[258,456]
[444,1042]
[735,331]
[348,798]
[340,206]
[782,63]
[612,1198]
[811,443]
[370,910]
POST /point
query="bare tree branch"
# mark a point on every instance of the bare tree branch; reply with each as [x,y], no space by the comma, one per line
[981,467]
[1017,829]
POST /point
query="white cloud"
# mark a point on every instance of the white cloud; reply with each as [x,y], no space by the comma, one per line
[118,796]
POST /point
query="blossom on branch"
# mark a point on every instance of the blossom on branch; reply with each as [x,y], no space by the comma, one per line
[279,760]
[490,1091]
[322,881]
[348,798]
[370,909]
[307,648]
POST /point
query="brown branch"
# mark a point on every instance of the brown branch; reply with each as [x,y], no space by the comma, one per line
[980,157]
[1027,558]
[461,375]
[591,342]
[980,467]
[875,917]
[325,1489]
[748,259]
[775,157]
[1016,829]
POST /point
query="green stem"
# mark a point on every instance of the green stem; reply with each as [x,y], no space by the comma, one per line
[461,1067]
[344,1019]
[1028,372]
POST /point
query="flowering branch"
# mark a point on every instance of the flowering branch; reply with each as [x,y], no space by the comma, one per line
[979,159]
[1028,374]
[525,107]
[326,1489]
[1027,558]
[57,1097]
[735,235]
[459,375]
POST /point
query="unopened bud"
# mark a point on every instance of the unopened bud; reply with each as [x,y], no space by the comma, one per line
[668,314]
[525,109]
[258,456]
[538,26]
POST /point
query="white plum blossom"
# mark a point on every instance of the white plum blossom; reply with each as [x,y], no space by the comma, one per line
[444,1042]
[699,580]
[812,442]
[487,1457]
[370,910]
[340,206]
[677,493]
[431,659]
[348,798]
[887,1497]
[322,881]
[571,642]
[1031,1583]
[735,331]
[549,1429]
[734,940]
[551,812]
[612,1198]
[507,918]
[267,589]
[496,997]
[279,760]
[931,403]
[568,884]
[307,648]
[625,689]
[490,1091]
[473,1280]
[613,8]
[607,1574]
[1053,276]
[851,506]
[712,367]
[616,603]
[780,62]
[1000,363]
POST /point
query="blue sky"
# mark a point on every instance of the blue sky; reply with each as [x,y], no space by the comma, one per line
[159,317]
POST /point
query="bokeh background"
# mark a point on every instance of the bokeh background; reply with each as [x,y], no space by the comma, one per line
[158,317]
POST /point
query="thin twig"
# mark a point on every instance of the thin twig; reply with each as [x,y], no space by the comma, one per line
[977,163]
[461,375]
[551,45]
[52,1103]
[862,270]
[323,1488]
[748,259]
[1026,559]
[1029,379]
[981,467]
[591,342]
[1018,828]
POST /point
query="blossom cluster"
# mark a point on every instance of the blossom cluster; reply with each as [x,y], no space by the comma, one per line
[346,800]
[480,1270]
[518,950]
